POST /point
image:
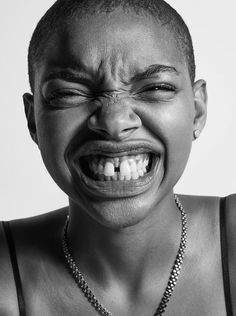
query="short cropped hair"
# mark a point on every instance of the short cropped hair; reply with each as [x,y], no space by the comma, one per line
[65,10]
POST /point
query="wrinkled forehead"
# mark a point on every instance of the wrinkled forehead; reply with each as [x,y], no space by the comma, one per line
[115,44]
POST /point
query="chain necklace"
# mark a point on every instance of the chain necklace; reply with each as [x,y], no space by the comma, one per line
[82,284]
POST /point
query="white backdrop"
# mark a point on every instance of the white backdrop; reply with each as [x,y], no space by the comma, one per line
[211,169]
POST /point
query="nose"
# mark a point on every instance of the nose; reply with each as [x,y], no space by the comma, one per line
[114,120]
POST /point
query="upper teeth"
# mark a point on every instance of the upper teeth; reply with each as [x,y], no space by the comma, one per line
[119,168]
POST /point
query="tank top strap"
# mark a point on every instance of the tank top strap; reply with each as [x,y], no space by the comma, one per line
[15,268]
[224,257]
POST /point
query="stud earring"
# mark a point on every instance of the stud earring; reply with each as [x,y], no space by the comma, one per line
[196,133]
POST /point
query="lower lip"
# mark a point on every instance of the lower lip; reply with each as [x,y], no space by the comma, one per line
[118,189]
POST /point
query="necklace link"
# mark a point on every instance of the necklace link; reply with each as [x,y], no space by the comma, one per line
[174,275]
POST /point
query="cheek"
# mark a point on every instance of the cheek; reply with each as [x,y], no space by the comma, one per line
[179,129]
[56,130]
[179,125]
[172,124]
[179,145]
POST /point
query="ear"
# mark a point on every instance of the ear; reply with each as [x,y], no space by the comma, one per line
[200,105]
[28,100]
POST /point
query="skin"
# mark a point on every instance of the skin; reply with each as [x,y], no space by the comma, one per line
[125,243]
[131,114]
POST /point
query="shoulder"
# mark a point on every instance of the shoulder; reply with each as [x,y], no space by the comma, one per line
[31,236]
[37,227]
[205,209]
[8,298]
[208,208]
[200,201]
[231,220]
[36,238]
[231,241]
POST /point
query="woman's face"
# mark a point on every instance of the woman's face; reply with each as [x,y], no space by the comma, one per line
[115,113]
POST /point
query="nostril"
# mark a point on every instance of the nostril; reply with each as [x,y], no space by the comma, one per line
[115,123]
[129,129]
[103,131]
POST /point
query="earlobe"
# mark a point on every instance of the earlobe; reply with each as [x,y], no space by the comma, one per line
[200,105]
[28,100]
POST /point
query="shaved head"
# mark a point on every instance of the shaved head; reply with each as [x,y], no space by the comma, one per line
[62,13]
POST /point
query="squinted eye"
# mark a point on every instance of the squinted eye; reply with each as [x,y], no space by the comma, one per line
[66,98]
[160,87]
[160,91]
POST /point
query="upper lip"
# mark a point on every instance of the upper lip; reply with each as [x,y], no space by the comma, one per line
[109,149]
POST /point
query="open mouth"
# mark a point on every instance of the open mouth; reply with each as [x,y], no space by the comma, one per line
[117,168]
[114,170]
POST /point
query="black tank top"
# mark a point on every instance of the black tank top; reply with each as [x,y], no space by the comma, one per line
[224,256]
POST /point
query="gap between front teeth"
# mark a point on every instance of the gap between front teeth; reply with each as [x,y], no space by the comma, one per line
[129,168]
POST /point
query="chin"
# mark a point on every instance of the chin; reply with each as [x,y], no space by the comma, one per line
[120,213]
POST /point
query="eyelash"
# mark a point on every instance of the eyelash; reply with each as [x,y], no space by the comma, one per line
[65,94]
[159,87]
[156,92]
[60,95]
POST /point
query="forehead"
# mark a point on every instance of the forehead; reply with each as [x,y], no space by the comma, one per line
[114,43]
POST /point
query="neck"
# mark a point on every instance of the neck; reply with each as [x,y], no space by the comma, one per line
[127,254]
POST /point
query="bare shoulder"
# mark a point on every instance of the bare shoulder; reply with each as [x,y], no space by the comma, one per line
[31,236]
[231,219]
[36,237]
[231,239]
[8,301]
[201,205]
[207,207]
[37,226]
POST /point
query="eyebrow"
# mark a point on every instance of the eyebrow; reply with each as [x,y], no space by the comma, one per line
[154,70]
[68,76]
[83,78]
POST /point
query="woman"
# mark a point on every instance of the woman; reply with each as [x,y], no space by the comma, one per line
[114,110]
